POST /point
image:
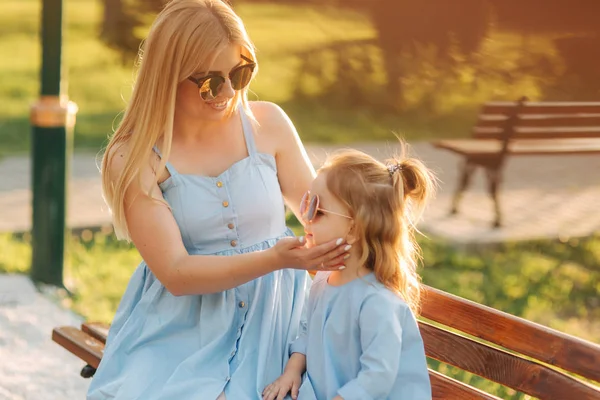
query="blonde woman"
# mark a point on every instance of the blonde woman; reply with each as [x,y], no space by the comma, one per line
[196,177]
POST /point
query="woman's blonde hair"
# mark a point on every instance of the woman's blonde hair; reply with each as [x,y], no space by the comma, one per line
[186,37]
[385,200]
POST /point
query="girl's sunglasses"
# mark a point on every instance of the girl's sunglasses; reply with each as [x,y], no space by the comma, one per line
[209,86]
[309,207]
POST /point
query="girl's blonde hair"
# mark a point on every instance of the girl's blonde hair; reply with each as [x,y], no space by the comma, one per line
[186,37]
[385,200]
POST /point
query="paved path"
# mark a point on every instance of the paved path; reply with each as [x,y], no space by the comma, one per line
[31,365]
[541,197]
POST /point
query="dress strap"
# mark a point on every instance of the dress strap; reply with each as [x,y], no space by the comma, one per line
[169,166]
[248,132]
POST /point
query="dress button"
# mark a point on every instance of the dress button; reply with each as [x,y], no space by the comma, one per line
[219,184]
[233,243]
[230,225]
[242,304]
[225,204]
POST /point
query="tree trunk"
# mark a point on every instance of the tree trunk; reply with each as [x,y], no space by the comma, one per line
[114,13]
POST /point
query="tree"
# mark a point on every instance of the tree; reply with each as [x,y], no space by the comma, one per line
[405,26]
[121,20]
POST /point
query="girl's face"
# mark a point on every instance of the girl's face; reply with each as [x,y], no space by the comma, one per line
[331,219]
[191,103]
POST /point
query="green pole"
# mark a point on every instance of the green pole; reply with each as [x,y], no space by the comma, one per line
[52,119]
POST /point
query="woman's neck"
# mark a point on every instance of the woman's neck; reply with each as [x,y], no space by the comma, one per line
[193,129]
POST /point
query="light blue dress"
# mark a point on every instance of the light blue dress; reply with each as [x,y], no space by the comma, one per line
[195,347]
[362,342]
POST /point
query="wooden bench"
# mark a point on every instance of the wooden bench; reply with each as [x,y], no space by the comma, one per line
[523,128]
[511,351]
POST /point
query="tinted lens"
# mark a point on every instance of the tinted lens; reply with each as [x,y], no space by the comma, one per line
[240,77]
[312,208]
[211,87]
[304,204]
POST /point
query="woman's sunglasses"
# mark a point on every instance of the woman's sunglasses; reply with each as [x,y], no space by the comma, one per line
[310,206]
[209,86]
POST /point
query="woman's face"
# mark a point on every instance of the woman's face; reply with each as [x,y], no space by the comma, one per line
[189,101]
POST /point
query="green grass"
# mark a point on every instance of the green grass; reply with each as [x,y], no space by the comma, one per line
[553,283]
[97,269]
[439,102]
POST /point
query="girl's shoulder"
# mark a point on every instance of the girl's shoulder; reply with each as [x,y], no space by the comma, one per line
[378,295]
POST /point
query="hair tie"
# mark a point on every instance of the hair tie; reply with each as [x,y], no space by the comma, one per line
[392,168]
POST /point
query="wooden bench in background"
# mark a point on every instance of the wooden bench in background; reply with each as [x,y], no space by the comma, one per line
[502,348]
[506,129]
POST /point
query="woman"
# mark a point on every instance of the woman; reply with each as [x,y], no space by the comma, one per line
[196,177]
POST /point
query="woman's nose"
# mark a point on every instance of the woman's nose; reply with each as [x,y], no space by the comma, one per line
[227,89]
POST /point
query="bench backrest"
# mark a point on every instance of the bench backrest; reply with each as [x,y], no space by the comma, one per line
[505,349]
[539,120]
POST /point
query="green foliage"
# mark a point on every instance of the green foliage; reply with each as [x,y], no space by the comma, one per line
[301,51]
[100,84]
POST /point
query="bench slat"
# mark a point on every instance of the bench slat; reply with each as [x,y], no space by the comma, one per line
[84,346]
[539,120]
[539,133]
[523,147]
[97,330]
[525,337]
[446,388]
[502,367]
[557,107]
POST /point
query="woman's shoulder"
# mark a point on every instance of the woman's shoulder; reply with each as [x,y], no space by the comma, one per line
[270,118]
[264,111]
[274,129]
[118,157]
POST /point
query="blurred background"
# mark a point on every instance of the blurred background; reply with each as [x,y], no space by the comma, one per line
[348,73]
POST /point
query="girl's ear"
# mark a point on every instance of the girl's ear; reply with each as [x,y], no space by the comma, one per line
[352,236]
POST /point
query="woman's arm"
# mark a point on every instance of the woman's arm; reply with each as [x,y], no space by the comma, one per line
[295,170]
[156,235]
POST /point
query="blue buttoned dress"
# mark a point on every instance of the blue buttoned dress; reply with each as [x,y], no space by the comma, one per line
[195,347]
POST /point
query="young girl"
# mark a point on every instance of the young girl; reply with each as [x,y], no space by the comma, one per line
[361,340]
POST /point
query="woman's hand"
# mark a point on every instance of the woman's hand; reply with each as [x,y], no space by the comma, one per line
[289,381]
[292,253]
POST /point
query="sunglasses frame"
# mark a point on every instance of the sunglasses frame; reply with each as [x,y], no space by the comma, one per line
[201,81]
[305,206]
